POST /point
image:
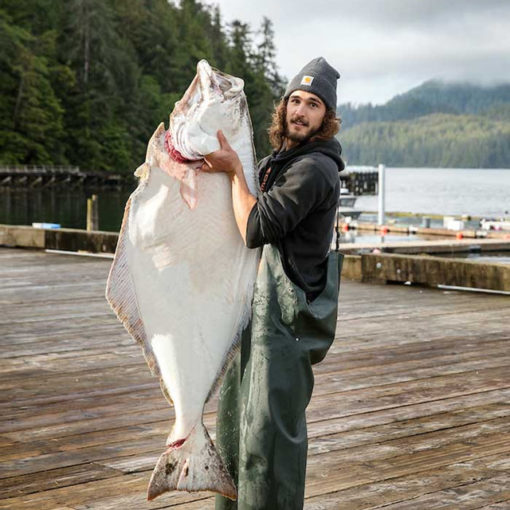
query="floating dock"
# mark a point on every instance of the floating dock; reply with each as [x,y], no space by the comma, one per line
[411,407]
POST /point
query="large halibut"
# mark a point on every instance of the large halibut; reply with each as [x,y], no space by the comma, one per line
[182,279]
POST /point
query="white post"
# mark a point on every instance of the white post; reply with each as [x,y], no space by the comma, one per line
[380,217]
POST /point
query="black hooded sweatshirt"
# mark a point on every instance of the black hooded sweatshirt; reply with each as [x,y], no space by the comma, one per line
[297,209]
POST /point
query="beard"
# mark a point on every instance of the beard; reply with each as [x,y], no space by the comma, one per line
[297,137]
[301,136]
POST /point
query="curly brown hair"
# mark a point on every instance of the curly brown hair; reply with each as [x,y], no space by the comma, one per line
[277,131]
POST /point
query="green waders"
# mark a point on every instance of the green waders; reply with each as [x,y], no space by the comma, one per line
[261,426]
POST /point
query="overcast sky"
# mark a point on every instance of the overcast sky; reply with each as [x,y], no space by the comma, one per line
[385,47]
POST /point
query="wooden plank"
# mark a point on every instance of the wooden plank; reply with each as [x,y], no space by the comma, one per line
[405,413]
[328,473]
[408,487]
[93,493]
[53,479]
[504,505]
[470,496]
[429,431]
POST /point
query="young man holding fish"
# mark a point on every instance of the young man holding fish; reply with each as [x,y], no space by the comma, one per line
[261,420]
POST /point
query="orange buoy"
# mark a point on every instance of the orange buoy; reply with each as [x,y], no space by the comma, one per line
[384,230]
[459,235]
[345,227]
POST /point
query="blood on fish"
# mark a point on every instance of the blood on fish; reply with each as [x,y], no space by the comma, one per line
[173,152]
[177,444]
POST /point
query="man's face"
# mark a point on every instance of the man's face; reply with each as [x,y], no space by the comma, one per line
[305,112]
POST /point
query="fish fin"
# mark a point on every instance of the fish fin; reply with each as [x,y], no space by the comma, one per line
[226,362]
[193,466]
[121,294]
[142,172]
[189,188]
[154,142]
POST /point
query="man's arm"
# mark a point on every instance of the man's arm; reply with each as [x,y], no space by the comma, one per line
[226,160]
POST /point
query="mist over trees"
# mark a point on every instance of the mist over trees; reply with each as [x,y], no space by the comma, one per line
[86,82]
[434,125]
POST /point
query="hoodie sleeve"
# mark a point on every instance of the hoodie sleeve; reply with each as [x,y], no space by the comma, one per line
[306,184]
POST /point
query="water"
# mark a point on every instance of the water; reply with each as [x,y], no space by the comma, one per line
[444,191]
[68,208]
[363,236]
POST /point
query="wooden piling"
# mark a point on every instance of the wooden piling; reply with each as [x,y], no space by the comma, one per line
[92,213]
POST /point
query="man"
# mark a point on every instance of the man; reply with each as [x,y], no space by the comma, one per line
[261,419]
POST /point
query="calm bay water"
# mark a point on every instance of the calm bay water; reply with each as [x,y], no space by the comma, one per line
[68,208]
[446,191]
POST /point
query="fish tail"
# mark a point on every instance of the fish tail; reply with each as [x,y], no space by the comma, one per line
[194,465]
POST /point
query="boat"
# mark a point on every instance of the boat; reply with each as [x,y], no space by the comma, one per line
[495,223]
[46,225]
[346,203]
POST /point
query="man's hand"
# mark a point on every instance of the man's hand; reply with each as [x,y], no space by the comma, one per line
[223,160]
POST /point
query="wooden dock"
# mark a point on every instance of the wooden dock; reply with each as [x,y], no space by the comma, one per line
[410,410]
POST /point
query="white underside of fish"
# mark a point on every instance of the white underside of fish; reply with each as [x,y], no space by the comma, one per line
[181,283]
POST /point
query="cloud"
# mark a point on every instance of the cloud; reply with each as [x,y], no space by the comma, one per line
[380,46]
[396,14]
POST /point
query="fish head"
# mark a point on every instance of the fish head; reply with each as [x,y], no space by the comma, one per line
[213,101]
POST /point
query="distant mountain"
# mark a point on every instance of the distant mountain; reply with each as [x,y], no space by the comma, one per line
[435,124]
[431,97]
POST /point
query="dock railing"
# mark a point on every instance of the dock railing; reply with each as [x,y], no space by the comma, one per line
[44,176]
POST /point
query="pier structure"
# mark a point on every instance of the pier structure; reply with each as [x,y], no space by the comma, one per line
[360,180]
[41,176]
[410,408]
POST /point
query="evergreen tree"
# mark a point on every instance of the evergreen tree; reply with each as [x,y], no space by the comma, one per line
[31,124]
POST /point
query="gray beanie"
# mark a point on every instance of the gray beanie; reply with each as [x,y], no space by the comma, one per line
[317,77]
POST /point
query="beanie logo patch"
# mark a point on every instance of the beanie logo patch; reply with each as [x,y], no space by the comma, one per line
[306,80]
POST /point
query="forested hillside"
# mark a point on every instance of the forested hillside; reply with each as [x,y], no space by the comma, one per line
[435,124]
[86,82]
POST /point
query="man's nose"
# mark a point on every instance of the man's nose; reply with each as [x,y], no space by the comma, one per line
[300,110]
